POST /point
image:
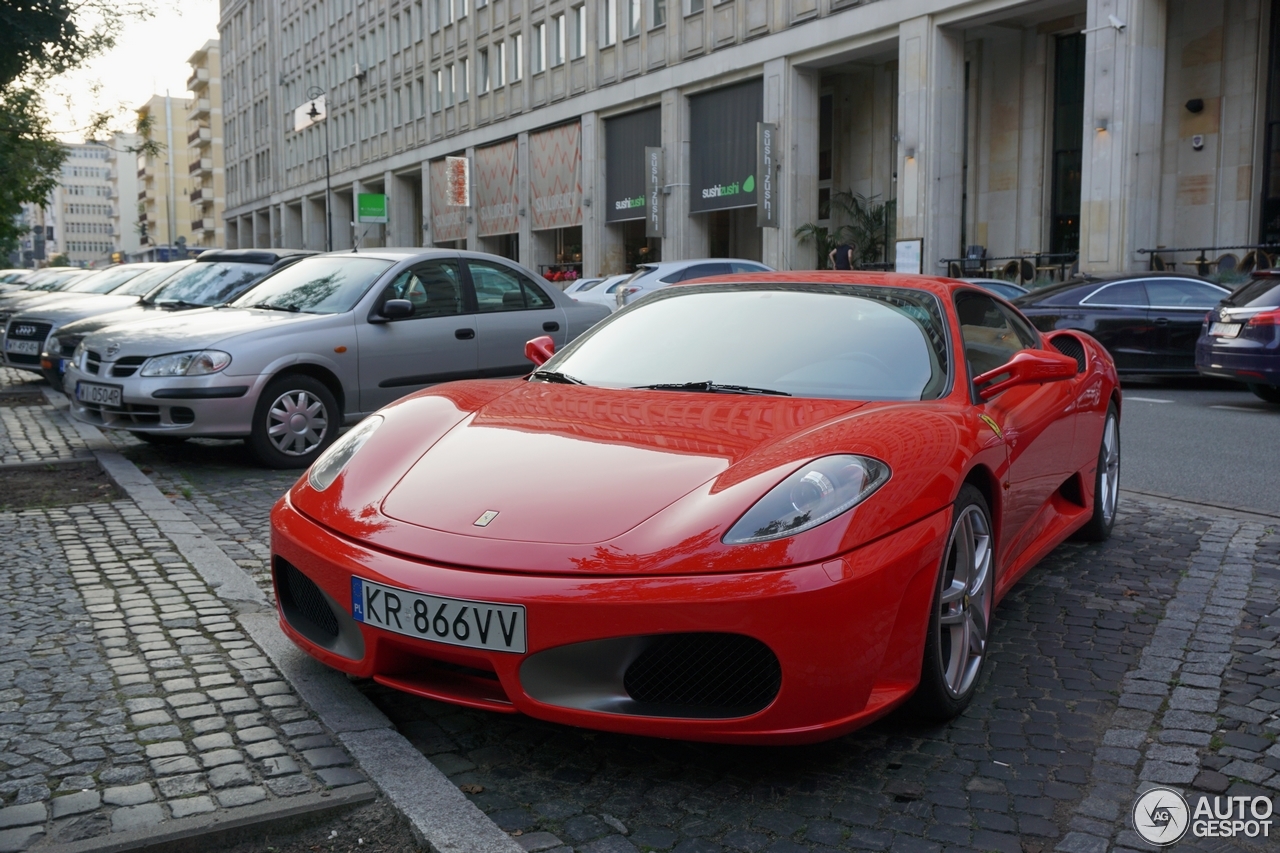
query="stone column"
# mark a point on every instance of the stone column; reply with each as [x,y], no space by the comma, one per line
[791,100]
[685,235]
[342,217]
[290,226]
[428,233]
[1123,106]
[472,213]
[593,194]
[361,232]
[931,146]
[528,254]
[399,228]
[274,225]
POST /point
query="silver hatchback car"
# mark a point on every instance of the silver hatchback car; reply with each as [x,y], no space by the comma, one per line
[319,343]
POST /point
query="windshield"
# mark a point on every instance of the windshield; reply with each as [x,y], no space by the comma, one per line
[323,285]
[57,281]
[208,283]
[1261,293]
[107,280]
[143,284]
[845,342]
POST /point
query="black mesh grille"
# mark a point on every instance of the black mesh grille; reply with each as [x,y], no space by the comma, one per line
[92,362]
[23,331]
[728,672]
[128,365]
[1070,345]
[301,599]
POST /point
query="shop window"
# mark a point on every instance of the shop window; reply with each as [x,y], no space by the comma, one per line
[1068,143]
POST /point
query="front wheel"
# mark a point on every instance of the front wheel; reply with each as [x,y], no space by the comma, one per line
[960,620]
[1106,482]
[1270,393]
[296,418]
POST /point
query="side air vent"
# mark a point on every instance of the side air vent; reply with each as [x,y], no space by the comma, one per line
[303,604]
[1070,345]
[730,673]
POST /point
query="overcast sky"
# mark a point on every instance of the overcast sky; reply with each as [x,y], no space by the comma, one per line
[150,56]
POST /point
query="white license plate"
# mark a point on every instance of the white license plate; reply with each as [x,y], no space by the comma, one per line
[1224,330]
[22,347]
[456,621]
[102,395]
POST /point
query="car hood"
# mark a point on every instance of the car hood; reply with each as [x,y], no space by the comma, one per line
[193,329]
[68,311]
[604,480]
[27,301]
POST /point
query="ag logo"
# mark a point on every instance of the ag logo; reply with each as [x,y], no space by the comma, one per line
[1161,816]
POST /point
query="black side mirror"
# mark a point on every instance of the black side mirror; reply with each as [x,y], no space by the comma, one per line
[396,309]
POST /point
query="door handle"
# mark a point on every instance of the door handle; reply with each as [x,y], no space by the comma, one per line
[551,326]
[1162,321]
[464,334]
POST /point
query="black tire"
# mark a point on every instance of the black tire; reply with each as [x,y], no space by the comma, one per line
[1270,393]
[290,395]
[1100,524]
[159,439]
[948,674]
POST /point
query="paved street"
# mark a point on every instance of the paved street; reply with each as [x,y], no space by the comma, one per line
[1151,658]
[1201,440]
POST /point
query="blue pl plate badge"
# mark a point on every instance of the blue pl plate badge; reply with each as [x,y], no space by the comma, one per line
[357,599]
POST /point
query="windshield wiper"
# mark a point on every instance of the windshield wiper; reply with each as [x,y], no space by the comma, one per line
[712,388]
[557,377]
[179,304]
[267,306]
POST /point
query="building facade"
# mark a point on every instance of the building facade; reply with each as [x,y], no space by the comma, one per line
[205,166]
[122,161]
[1107,128]
[164,182]
[80,208]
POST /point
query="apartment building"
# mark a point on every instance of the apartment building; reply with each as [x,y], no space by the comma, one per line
[603,132]
[205,165]
[122,163]
[164,183]
[79,211]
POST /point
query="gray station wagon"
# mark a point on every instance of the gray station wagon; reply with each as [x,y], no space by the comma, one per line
[316,344]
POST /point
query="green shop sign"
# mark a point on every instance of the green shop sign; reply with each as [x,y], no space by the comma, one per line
[371,207]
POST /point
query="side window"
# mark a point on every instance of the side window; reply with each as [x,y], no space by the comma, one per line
[748,268]
[1026,333]
[989,334]
[499,288]
[1131,294]
[705,271]
[434,288]
[1183,293]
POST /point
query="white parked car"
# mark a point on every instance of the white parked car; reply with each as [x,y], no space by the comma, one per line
[650,277]
[603,292]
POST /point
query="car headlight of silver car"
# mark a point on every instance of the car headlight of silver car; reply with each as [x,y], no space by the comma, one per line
[326,469]
[815,493]
[199,363]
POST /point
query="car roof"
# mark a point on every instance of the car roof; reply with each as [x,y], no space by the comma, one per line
[933,284]
[666,265]
[266,257]
[1108,278]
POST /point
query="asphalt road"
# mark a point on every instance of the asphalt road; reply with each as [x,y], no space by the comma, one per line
[1200,440]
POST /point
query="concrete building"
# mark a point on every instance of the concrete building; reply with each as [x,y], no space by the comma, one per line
[122,163]
[79,211]
[204,147]
[164,184]
[1107,127]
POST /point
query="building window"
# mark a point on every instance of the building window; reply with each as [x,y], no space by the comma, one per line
[462,9]
[463,87]
[482,71]
[659,12]
[695,6]
[557,39]
[633,18]
[437,91]
[538,62]
[516,69]
[579,47]
[499,64]
[450,85]
[608,22]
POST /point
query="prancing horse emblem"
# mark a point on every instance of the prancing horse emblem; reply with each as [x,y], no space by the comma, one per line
[483,521]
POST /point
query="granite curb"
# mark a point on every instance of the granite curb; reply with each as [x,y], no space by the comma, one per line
[440,814]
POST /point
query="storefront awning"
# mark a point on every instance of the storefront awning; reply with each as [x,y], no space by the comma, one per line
[722,159]
[625,140]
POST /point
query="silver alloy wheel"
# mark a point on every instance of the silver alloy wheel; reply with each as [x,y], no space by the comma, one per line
[297,423]
[1109,477]
[965,602]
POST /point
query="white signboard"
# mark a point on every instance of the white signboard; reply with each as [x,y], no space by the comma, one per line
[909,257]
[310,113]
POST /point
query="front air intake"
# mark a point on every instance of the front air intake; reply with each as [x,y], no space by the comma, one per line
[304,605]
[726,673]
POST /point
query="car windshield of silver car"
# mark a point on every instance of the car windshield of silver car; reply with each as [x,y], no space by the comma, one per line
[323,285]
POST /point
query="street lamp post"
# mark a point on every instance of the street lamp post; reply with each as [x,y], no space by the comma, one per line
[315,115]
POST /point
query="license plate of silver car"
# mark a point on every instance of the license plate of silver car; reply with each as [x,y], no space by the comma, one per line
[458,622]
[99,395]
[1224,330]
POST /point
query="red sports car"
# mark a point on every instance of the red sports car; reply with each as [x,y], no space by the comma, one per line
[764,508]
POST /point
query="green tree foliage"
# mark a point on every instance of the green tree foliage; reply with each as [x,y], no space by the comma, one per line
[861,221]
[30,159]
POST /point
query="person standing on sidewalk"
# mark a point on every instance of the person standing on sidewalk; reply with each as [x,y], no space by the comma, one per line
[841,256]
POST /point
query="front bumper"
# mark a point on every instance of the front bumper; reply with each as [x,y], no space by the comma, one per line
[195,406]
[848,634]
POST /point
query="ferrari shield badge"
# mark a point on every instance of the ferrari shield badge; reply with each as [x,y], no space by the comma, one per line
[483,521]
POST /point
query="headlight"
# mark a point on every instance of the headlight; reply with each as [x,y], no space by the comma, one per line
[78,354]
[814,494]
[332,461]
[52,347]
[186,363]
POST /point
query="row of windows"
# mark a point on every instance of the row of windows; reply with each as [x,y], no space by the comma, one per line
[85,172]
[88,227]
[78,189]
[82,246]
[87,209]
[96,152]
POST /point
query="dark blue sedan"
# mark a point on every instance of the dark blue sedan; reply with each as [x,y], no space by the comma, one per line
[1240,338]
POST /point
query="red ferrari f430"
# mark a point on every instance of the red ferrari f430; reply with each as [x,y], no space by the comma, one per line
[766,508]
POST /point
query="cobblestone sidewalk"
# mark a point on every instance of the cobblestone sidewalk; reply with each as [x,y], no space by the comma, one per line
[33,431]
[131,698]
